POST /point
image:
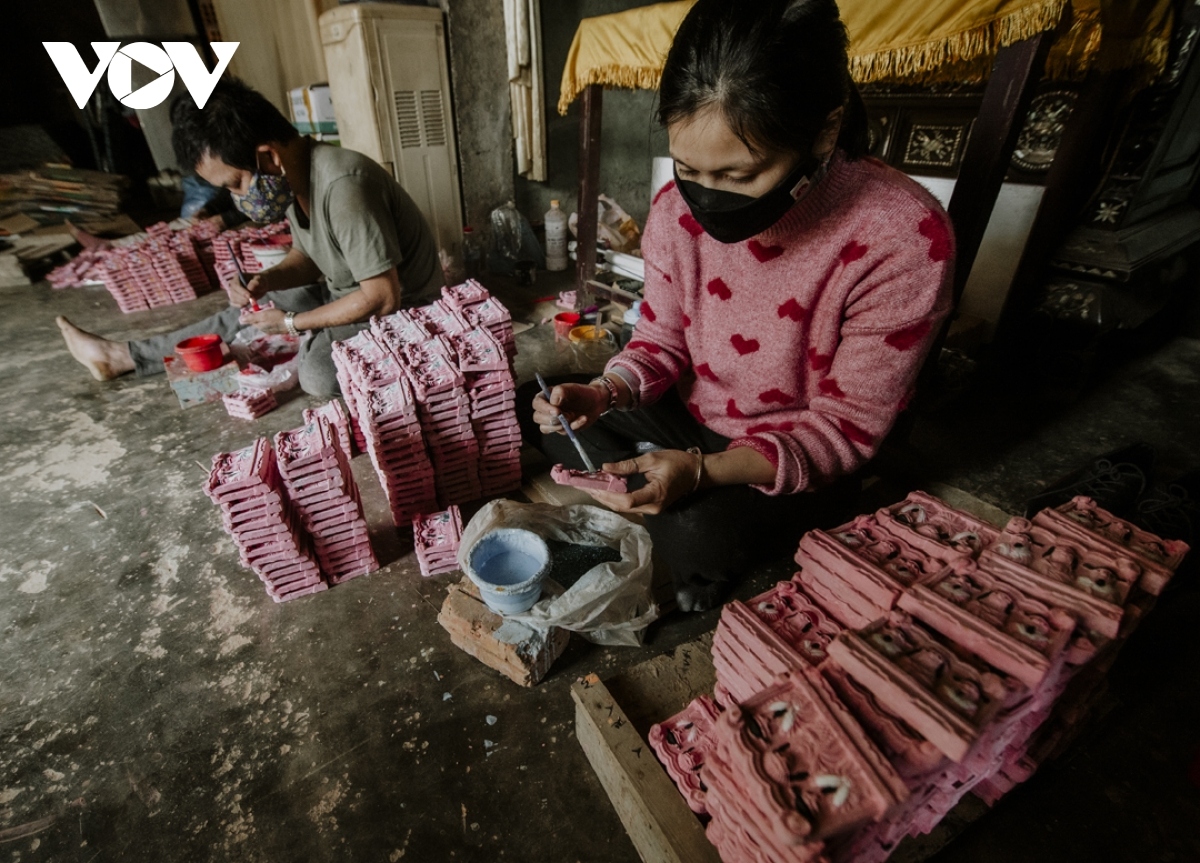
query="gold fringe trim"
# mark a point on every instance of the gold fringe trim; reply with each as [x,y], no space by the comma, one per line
[961,58]
[926,62]
[611,75]
[1083,47]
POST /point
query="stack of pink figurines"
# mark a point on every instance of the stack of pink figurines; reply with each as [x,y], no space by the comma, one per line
[392,433]
[162,266]
[380,397]
[334,414]
[491,390]
[249,403]
[429,393]
[494,318]
[440,318]
[436,538]
[241,241]
[481,309]
[247,488]
[445,413]
[919,654]
[316,474]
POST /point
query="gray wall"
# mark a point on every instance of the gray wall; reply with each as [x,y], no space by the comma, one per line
[478,69]
[629,134]
[479,78]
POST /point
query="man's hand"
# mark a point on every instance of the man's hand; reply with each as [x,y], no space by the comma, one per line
[581,404]
[670,474]
[242,297]
[270,321]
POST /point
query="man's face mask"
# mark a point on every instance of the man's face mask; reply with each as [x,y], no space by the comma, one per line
[731,217]
[268,198]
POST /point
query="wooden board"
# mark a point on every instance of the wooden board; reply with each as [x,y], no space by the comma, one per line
[662,827]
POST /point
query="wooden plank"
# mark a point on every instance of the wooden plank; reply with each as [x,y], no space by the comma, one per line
[538,130]
[661,826]
[589,184]
[660,687]
[968,503]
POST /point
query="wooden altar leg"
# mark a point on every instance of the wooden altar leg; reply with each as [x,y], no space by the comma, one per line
[990,147]
[589,183]
[989,150]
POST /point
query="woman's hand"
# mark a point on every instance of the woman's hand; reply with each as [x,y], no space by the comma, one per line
[270,321]
[581,404]
[670,474]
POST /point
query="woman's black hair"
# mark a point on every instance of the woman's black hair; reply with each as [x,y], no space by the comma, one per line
[231,126]
[775,69]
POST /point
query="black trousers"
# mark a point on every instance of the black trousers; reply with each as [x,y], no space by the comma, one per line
[714,535]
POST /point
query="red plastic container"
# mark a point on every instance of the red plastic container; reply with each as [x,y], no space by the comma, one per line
[564,322]
[201,353]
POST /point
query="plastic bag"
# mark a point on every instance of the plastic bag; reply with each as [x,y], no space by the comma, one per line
[615,228]
[612,603]
[252,345]
[513,240]
[282,377]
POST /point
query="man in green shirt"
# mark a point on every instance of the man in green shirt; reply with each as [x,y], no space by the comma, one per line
[360,245]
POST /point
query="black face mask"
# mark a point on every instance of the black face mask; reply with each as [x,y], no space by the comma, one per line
[731,218]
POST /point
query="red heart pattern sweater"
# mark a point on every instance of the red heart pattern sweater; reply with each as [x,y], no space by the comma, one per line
[805,341]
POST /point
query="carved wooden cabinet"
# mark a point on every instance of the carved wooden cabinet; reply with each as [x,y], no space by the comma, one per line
[1129,253]
[1126,252]
[924,132]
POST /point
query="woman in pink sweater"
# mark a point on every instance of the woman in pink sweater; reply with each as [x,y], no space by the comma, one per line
[793,288]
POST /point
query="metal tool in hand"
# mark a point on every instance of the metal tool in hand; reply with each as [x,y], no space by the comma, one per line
[242,280]
[587,462]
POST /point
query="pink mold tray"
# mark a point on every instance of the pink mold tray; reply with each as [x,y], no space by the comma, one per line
[1158,557]
[1011,631]
[920,679]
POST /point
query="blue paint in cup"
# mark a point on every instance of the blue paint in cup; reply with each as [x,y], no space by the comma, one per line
[508,565]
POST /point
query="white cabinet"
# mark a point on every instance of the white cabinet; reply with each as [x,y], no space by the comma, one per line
[390,82]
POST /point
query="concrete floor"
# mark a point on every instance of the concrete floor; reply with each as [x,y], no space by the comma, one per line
[156,705]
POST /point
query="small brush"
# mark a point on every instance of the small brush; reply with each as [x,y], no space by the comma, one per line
[242,280]
[567,428]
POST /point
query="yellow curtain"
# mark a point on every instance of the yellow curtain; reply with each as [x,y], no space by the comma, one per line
[927,42]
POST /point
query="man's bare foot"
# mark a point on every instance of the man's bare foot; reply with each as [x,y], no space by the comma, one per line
[86,239]
[104,359]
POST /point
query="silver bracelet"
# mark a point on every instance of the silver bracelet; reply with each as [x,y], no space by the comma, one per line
[289,323]
[695,450]
[612,391]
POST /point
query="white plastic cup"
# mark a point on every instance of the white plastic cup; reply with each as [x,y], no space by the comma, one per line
[268,256]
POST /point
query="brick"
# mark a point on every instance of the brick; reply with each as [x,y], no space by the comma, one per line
[523,658]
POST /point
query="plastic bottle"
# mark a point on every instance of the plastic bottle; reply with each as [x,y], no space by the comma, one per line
[472,254]
[506,231]
[630,320]
[556,238]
